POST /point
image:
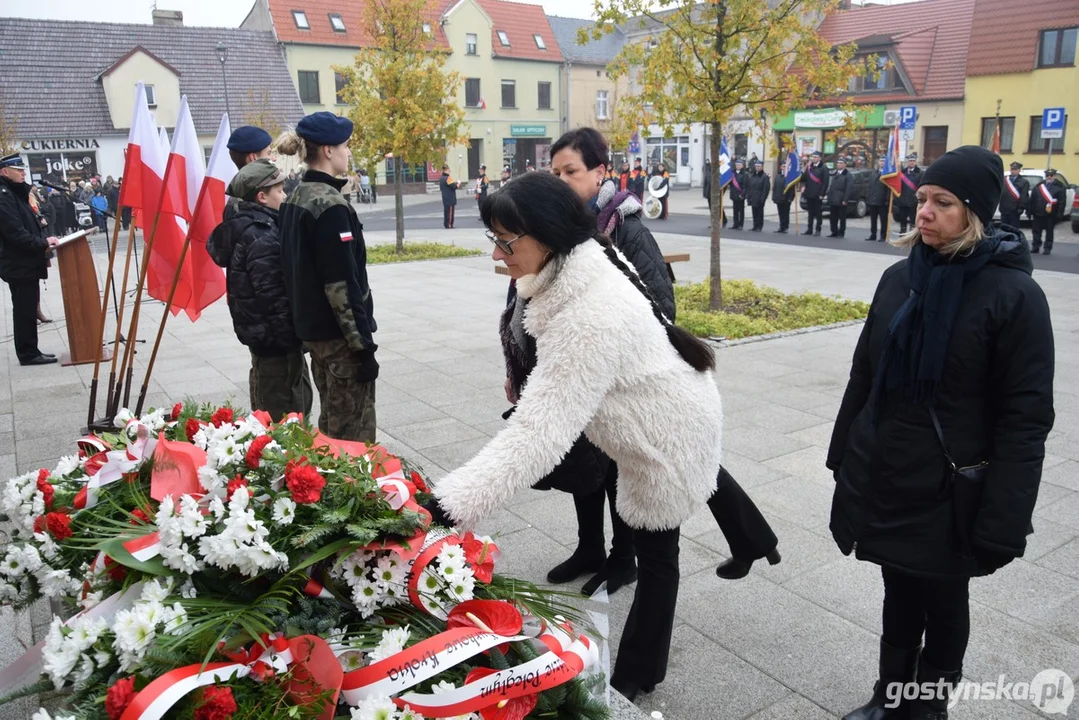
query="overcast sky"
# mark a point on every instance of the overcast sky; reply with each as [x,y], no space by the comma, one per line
[214,13]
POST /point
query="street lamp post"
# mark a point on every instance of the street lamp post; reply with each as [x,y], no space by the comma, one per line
[222,56]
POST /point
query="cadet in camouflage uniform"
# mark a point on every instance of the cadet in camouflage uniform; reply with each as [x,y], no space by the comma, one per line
[246,144]
[325,264]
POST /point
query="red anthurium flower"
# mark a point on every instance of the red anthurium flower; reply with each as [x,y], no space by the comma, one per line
[176,410]
[514,709]
[495,615]
[119,696]
[222,416]
[263,417]
[481,553]
[419,482]
[254,453]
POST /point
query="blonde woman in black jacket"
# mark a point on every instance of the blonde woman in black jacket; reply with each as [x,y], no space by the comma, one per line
[954,369]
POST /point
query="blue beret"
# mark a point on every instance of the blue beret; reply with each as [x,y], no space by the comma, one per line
[324,128]
[249,139]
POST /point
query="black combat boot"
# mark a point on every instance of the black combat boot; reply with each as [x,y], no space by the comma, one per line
[936,708]
[897,665]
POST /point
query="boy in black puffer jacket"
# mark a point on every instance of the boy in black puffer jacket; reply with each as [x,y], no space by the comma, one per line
[248,246]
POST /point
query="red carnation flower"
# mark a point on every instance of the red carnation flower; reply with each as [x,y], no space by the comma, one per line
[119,697]
[176,410]
[115,570]
[254,453]
[222,416]
[305,483]
[217,704]
[191,428]
[234,484]
[59,525]
[47,490]
[419,482]
[42,475]
[39,524]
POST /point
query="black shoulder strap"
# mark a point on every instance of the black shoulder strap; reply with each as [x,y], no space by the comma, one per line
[940,436]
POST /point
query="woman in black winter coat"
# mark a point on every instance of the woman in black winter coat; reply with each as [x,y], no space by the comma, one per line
[958,334]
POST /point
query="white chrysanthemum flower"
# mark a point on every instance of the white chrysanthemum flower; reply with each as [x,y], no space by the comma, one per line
[409,714]
[352,660]
[47,546]
[83,671]
[451,570]
[86,631]
[154,591]
[192,521]
[54,583]
[392,642]
[284,511]
[67,465]
[91,600]
[13,565]
[201,439]
[462,588]
[365,592]
[452,553]
[31,559]
[60,656]
[123,417]
[378,707]
[217,508]
[430,581]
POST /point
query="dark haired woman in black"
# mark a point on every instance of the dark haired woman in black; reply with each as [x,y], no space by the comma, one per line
[609,364]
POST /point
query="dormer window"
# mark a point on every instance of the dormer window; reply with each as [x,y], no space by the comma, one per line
[539,42]
[503,38]
[337,23]
[301,19]
[151,98]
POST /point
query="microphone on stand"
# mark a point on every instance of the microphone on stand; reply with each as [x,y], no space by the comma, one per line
[54,186]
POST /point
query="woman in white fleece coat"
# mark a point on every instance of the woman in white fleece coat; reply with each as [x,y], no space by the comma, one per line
[608,364]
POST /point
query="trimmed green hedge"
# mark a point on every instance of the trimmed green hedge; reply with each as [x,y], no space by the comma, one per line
[378,254]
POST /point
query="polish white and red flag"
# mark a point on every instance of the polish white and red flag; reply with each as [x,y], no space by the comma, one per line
[144,165]
[207,278]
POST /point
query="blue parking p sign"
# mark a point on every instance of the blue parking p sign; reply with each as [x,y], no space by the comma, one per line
[1052,123]
[908,114]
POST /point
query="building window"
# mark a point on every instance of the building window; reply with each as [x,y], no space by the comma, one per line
[544,93]
[472,92]
[888,79]
[1037,145]
[601,105]
[427,28]
[503,38]
[307,80]
[509,93]
[207,151]
[339,88]
[539,42]
[1007,132]
[741,145]
[470,44]
[301,19]
[151,97]
[1057,48]
[337,23]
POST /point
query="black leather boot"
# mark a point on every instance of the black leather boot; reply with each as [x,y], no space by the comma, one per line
[735,569]
[579,563]
[896,666]
[935,708]
[616,572]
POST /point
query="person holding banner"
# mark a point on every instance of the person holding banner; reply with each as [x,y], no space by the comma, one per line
[23,258]
[910,178]
[1046,209]
[325,264]
[783,196]
[737,186]
[815,189]
[1014,200]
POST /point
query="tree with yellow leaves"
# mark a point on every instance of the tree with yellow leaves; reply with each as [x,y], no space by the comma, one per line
[261,113]
[402,97]
[706,62]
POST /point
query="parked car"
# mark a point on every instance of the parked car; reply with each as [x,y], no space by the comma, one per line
[857,208]
[1036,176]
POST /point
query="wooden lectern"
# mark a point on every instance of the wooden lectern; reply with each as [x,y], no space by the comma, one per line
[82,300]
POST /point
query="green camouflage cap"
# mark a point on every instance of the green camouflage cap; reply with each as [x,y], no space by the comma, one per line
[253,177]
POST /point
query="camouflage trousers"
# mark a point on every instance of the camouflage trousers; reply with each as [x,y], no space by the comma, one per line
[281,384]
[347,402]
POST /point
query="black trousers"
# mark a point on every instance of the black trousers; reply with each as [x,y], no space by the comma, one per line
[937,608]
[1009,218]
[25,295]
[758,217]
[815,211]
[646,638]
[590,540]
[784,210]
[877,214]
[906,218]
[747,533]
[739,213]
[1038,224]
[448,212]
[837,219]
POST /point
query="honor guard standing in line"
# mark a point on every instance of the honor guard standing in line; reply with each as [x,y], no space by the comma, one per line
[757,188]
[840,194]
[783,198]
[637,180]
[1013,201]
[877,201]
[737,186]
[449,197]
[324,260]
[815,189]
[1046,209]
[246,144]
[24,260]
[481,186]
[907,203]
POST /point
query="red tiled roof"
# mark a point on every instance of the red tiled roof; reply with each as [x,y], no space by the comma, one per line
[1004,37]
[322,33]
[930,37]
[520,21]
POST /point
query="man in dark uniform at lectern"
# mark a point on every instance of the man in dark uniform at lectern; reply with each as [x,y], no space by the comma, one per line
[23,258]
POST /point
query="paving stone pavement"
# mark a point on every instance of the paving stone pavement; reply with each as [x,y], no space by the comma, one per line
[797,640]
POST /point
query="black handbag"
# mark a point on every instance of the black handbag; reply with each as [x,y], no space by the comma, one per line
[966,486]
[581,472]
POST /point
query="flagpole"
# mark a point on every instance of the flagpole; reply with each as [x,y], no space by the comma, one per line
[110,408]
[128,365]
[888,217]
[101,326]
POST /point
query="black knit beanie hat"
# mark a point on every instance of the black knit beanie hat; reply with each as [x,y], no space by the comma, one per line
[974,175]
